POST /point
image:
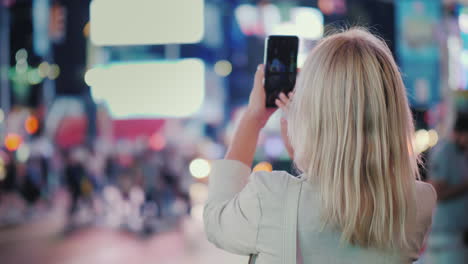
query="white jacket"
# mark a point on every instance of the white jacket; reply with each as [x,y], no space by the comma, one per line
[245,214]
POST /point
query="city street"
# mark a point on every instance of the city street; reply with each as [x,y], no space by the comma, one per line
[42,243]
[122,120]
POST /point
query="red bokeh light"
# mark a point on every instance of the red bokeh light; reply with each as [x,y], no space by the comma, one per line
[157,142]
[327,6]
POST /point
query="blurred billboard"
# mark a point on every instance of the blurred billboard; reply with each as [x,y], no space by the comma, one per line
[145,22]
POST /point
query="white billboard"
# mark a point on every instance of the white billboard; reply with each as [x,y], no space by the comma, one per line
[146,22]
[153,89]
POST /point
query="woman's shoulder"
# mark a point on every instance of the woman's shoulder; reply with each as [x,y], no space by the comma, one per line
[426,191]
[426,198]
[274,181]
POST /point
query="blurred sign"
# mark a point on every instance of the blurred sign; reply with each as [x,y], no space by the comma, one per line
[134,128]
[140,22]
[66,122]
[263,20]
[149,89]
[306,22]
[418,51]
[40,13]
[71,131]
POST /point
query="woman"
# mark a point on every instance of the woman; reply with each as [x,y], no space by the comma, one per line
[350,134]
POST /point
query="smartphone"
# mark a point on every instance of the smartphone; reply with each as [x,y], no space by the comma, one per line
[280,62]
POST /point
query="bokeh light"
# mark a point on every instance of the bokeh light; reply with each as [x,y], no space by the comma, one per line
[223,68]
[263,166]
[43,69]
[157,142]
[137,196]
[463,22]
[2,173]
[2,168]
[21,67]
[22,154]
[247,16]
[327,6]
[421,141]
[112,195]
[200,168]
[54,72]
[34,77]
[31,124]
[86,30]
[433,137]
[464,57]
[13,141]
[21,55]
[91,76]
[309,22]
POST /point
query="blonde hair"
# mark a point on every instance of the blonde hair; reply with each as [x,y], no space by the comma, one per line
[351,130]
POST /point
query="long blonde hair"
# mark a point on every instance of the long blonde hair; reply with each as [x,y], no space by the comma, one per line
[351,130]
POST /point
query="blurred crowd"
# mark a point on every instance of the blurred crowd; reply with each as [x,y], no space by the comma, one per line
[126,185]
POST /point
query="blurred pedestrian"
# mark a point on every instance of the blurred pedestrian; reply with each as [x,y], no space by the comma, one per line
[74,175]
[33,183]
[10,183]
[448,173]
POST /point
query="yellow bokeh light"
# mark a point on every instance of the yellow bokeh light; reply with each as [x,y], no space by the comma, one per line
[223,68]
[34,77]
[200,168]
[44,69]
[263,166]
[421,141]
[13,141]
[433,137]
[86,29]
[54,72]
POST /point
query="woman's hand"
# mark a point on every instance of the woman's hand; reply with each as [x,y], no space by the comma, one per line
[283,103]
[257,101]
[245,139]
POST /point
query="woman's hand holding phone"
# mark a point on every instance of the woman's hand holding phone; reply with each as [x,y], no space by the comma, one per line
[256,108]
[283,103]
[245,139]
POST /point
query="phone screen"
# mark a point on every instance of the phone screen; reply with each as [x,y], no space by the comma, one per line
[280,66]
